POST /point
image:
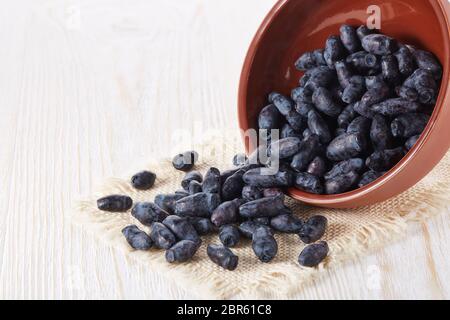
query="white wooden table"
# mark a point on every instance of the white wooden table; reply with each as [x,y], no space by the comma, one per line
[89,88]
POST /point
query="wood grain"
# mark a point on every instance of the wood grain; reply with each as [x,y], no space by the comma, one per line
[89,89]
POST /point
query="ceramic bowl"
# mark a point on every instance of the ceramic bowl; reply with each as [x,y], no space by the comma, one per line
[295,26]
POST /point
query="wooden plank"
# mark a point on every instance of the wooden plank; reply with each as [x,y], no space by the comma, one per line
[90,88]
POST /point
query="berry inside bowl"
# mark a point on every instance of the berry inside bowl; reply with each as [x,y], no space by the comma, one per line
[294,27]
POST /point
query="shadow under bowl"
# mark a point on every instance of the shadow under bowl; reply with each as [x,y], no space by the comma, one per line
[293,27]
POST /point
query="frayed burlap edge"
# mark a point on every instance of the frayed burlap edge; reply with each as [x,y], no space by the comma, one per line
[277,283]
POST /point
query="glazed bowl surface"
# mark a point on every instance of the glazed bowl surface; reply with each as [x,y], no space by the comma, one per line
[293,27]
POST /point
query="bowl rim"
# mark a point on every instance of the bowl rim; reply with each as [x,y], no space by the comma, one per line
[440,10]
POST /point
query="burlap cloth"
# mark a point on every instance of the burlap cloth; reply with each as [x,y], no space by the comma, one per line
[351,233]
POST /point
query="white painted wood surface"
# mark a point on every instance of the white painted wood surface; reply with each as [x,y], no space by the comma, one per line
[89,88]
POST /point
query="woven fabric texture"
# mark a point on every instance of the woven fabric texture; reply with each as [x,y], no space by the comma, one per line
[351,233]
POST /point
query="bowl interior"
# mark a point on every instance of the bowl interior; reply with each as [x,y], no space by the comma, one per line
[294,27]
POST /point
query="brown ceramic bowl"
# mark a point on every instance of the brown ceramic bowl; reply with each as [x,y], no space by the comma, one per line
[295,26]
